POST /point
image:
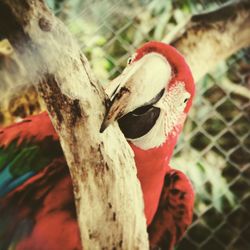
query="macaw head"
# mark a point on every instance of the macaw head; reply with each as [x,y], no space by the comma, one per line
[152,96]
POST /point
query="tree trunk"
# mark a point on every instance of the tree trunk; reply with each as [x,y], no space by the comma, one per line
[211,37]
[107,192]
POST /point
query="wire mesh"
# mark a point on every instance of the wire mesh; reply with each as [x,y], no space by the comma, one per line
[218,131]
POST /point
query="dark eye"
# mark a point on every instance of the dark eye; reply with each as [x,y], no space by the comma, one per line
[129,60]
[134,126]
[185,100]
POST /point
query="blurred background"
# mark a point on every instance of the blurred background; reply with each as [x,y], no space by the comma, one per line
[214,149]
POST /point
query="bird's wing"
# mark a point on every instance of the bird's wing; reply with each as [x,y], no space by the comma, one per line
[25,149]
[37,208]
[174,213]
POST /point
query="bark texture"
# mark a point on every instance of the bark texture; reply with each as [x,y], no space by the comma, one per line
[107,193]
[211,37]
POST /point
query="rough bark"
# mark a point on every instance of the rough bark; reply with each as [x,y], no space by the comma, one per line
[211,37]
[107,193]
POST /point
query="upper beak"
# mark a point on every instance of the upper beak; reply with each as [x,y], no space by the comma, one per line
[116,108]
[120,92]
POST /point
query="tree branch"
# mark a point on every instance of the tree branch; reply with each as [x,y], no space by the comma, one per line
[107,193]
[211,37]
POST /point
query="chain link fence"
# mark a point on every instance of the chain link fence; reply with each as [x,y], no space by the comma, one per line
[216,146]
[214,149]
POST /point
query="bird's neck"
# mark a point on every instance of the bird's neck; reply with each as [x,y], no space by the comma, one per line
[152,165]
[152,160]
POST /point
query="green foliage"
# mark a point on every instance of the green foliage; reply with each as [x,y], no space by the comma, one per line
[55,5]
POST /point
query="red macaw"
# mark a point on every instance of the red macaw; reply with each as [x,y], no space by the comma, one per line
[150,101]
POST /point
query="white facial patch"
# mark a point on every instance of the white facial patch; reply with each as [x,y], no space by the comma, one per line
[172,115]
[150,78]
[144,79]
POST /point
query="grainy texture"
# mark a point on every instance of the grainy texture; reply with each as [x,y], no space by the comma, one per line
[107,193]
